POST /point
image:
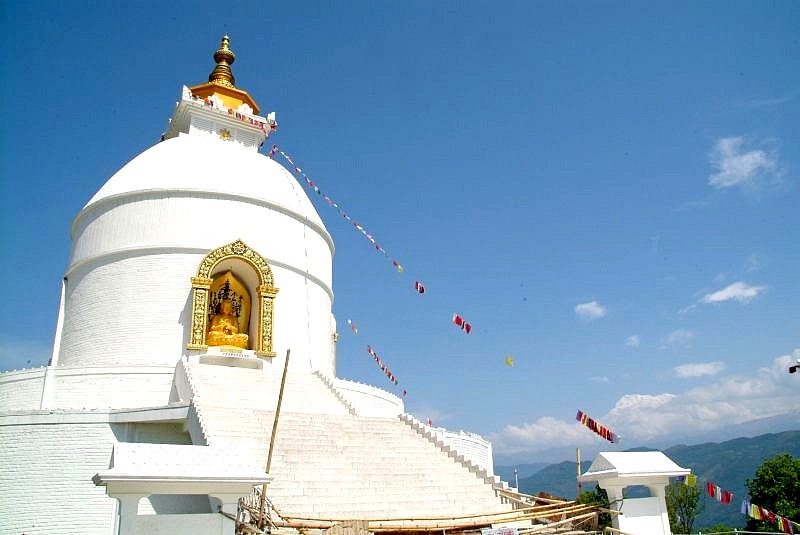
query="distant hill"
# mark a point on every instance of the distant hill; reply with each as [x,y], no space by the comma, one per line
[506,472]
[559,479]
[728,464]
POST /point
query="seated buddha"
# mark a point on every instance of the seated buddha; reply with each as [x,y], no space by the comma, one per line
[224,328]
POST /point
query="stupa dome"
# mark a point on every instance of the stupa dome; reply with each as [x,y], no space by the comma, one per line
[149,245]
[200,164]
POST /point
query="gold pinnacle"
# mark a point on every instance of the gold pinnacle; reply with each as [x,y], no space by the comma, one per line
[224,56]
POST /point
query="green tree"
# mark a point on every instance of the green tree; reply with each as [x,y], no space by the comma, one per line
[683,506]
[598,497]
[776,487]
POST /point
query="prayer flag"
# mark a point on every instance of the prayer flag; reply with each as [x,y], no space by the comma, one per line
[597,427]
[745,510]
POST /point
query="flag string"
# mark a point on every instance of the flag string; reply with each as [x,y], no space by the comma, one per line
[597,427]
[752,510]
[337,206]
[419,287]
[378,361]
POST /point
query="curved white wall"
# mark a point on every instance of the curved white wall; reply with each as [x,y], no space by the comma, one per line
[368,400]
[136,247]
[21,390]
[474,448]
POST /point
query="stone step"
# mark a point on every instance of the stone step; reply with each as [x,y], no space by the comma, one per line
[327,462]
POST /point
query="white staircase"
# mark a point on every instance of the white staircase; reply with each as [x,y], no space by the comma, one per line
[327,462]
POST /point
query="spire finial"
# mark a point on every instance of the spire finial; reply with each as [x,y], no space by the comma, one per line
[224,56]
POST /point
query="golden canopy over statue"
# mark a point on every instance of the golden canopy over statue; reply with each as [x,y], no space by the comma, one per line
[229,312]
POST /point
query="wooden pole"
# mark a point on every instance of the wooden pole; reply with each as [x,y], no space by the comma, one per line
[578,463]
[272,442]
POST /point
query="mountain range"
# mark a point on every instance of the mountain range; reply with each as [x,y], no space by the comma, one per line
[728,464]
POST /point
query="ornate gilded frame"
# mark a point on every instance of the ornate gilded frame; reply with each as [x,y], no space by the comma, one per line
[201,284]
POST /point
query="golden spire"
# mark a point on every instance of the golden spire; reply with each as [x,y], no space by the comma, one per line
[221,80]
[224,56]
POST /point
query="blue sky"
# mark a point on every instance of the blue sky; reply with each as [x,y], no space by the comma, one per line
[606,191]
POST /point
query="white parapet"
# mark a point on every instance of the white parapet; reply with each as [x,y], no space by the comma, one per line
[368,400]
[471,447]
[21,390]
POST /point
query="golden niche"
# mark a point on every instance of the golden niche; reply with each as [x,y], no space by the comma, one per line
[228,312]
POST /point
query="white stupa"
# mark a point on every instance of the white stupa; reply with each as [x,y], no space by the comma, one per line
[193,270]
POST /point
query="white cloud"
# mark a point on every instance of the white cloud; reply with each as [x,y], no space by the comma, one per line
[590,311]
[632,341]
[699,369]
[768,391]
[735,167]
[739,291]
[645,418]
[682,337]
[540,435]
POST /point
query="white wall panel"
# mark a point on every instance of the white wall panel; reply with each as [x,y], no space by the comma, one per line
[21,390]
[46,475]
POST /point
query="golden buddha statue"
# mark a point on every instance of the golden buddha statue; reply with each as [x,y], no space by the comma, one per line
[224,328]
